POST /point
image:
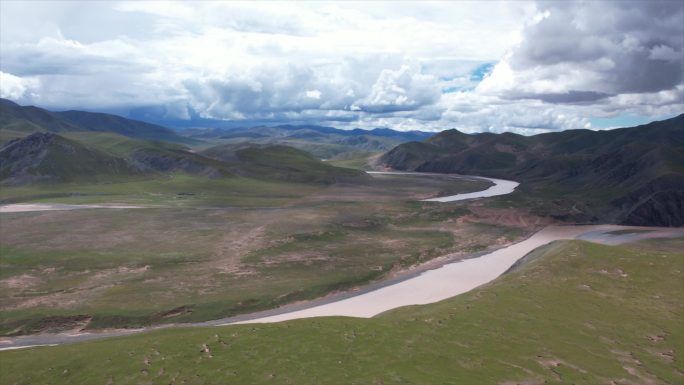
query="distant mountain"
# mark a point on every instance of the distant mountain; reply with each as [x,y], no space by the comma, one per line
[380,132]
[25,119]
[46,157]
[323,142]
[630,175]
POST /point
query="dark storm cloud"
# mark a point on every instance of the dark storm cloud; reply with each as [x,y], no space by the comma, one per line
[570,97]
[628,46]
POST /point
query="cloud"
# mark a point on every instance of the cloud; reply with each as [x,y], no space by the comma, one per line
[313,94]
[404,89]
[17,88]
[586,51]
[520,66]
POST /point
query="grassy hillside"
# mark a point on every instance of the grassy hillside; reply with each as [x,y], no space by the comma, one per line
[46,157]
[110,157]
[16,120]
[630,175]
[574,312]
[89,157]
[279,163]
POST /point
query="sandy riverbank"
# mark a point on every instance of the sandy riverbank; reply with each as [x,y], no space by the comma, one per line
[27,207]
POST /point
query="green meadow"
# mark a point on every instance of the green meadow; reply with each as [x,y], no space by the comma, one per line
[573,312]
[203,249]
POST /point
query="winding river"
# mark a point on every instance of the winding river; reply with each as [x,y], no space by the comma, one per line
[500,187]
[425,287]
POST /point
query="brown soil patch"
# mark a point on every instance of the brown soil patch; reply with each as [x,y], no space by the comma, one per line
[176,312]
[304,257]
[21,282]
[64,323]
[235,245]
[504,216]
[635,368]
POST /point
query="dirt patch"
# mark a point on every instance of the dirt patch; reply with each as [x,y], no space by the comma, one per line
[125,270]
[53,324]
[635,368]
[65,298]
[504,216]
[21,282]
[553,363]
[537,380]
[235,245]
[303,257]
[615,272]
[176,312]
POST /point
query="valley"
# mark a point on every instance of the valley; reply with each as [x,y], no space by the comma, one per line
[251,255]
[121,238]
[342,193]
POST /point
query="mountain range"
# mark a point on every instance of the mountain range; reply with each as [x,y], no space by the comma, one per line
[16,121]
[323,142]
[630,175]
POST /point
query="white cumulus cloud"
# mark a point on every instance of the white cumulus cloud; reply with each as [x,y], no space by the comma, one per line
[489,65]
[18,88]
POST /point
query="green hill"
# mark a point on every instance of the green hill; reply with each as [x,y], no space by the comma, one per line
[630,175]
[93,157]
[17,121]
[102,156]
[47,157]
[279,163]
[573,313]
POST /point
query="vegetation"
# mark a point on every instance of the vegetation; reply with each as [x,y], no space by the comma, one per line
[280,163]
[252,222]
[107,157]
[573,312]
[256,244]
[323,142]
[16,119]
[261,225]
[631,175]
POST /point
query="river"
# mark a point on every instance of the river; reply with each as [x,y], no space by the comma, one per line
[426,287]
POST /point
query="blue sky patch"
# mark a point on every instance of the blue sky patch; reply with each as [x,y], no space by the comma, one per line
[451,90]
[624,120]
[481,71]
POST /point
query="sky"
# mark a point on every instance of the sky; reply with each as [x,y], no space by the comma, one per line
[520,66]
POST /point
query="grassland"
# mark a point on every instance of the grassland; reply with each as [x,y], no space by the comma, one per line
[208,248]
[574,312]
